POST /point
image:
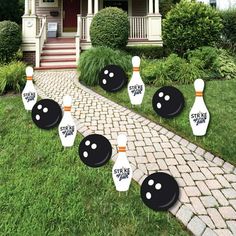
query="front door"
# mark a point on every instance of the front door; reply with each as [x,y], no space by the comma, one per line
[123,4]
[70,10]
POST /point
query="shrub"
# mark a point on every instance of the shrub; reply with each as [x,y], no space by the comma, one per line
[10,40]
[166,5]
[110,28]
[217,63]
[229,29]
[190,25]
[225,65]
[149,52]
[95,59]
[11,10]
[204,58]
[12,77]
[171,70]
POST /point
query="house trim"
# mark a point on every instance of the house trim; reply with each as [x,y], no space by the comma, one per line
[48,4]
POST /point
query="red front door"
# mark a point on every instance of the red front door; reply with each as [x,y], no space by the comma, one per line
[70,10]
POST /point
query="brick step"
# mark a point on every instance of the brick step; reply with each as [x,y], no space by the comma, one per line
[64,57]
[60,40]
[56,54]
[56,67]
[49,51]
[58,63]
[59,60]
[48,47]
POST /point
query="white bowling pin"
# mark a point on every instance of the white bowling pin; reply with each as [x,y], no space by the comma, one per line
[29,94]
[199,116]
[136,87]
[67,128]
[122,171]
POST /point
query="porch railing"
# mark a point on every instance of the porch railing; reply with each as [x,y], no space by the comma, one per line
[138,27]
[83,36]
[40,40]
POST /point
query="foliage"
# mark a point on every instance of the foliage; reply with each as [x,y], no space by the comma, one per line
[190,25]
[95,59]
[10,40]
[11,10]
[110,28]
[150,52]
[12,77]
[217,63]
[225,65]
[204,58]
[229,29]
[173,69]
[166,5]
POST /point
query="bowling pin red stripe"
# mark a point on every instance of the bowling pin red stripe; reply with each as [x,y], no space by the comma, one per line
[67,108]
[29,77]
[199,94]
[122,149]
[136,69]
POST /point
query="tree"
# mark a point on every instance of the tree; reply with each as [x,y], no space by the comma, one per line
[11,10]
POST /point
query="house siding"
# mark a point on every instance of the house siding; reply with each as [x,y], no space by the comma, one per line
[46,11]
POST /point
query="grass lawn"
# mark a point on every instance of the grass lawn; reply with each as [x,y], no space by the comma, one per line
[220,98]
[45,190]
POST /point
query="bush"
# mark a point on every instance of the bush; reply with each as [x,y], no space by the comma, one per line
[110,28]
[11,10]
[171,70]
[12,77]
[225,65]
[149,52]
[229,29]
[95,59]
[10,40]
[217,63]
[204,58]
[166,5]
[190,25]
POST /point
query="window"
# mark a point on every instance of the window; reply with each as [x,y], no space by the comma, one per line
[48,3]
[123,4]
[213,3]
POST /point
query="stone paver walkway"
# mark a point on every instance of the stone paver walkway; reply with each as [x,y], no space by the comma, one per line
[207,203]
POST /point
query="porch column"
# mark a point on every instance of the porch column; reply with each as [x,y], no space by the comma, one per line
[32,7]
[27,7]
[89,19]
[95,7]
[156,6]
[150,7]
[90,7]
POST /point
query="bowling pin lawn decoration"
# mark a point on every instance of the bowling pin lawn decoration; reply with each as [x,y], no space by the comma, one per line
[29,94]
[199,116]
[67,127]
[136,87]
[122,171]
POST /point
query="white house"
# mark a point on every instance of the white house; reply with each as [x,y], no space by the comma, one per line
[73,19]
[220,4]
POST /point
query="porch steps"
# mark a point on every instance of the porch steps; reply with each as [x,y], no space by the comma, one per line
[58,53]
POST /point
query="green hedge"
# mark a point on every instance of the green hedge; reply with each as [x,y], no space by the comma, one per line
[149,52]
[190,25]
[172,69]
[94,60]
[205,62]
[12,77]
[110,28]
[10,40]
[229,29]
